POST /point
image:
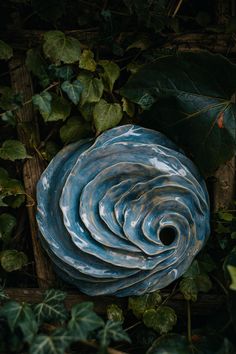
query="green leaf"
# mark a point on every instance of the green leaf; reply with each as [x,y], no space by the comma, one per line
[128,107]
[87,111]
[112,331]
[56,343]
[61,48]
[161,320]
[9,118]
[110,74]
[232,272]
[87,61]
[37,65]
[170,344]
[7,225]
[225,216]
[52,307]
[50,150]
[43,102]
[73,90]
[64,72]
[139,304]
[83,320]
[52,107]
[92,88]
[11,190]
[20,316]
[194,95]
[106,115]
[9,100]
[13,150]
[12,260]
[115,313]
[6,51]
[74,129]
[189,289]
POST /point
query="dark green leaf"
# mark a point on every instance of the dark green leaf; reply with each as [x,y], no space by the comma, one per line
[111,72]
[52,107]
[13,150]
[74,129]
[9,118]
[52,307]
[93,88]
[61,48]
[161,320]
[106,115]
[83,320]
[56,343]
[170,344]
[73,90]
[64,72]
[112,331]
[12,260]
[7,225]
[50,150]
[9,100]
[20,316]
[36,64]
[6,51]
[115,313]
[194,95]
[43,102]
[11,190]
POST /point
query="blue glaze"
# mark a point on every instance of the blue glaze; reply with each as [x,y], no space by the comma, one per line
[103,204]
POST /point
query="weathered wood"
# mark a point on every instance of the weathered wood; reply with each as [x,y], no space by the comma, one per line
[28,133]
[206,304]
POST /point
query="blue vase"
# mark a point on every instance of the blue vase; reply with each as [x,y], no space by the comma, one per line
[124,214]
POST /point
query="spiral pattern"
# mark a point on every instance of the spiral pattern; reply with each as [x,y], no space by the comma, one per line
[124,214]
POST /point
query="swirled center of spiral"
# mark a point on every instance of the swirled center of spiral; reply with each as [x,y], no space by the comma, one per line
[124,214]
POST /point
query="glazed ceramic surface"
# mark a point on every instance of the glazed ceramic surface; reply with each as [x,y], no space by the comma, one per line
[124,214]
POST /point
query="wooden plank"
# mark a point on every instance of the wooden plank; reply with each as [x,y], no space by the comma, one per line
[206,304]
[28,133]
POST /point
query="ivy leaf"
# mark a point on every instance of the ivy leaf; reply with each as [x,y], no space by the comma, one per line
[20,316]
[139,304]
[87,111]
[93,88]
[11,190]
[7,225]
[128,107]
[106,115]
[112,331]
[83,320]
[189,289]
[194,95]
[74,129]
[50,150]
[161,320]
[9,118]
[64,72]
[56,343]
[110,74]
[115,313]
[73,90]
[12,260]
[9,100]
[43,102]
[37,65]
[171,344]
[87,61]
[232,272]
[6,51]
[61,48]
[13,150]
[52,307]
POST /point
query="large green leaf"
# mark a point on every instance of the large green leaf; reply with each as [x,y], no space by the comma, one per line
[87,61]
[13,150]
[115,313]
[52,307]
[83,320]
[51,106]
[171,344]
[110,74]
[61,48]
[112,331]
[43,102]
[74,129]
[139,304]
[37,65]
[73,90]
[161,320]
[93,88]
[20,316]
[194,105]
[55,343]
[106,115]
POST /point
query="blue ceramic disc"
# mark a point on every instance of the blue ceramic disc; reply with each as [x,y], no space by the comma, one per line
[124,214]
